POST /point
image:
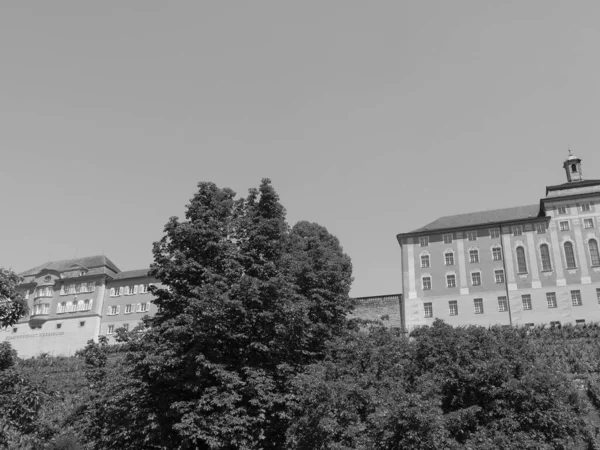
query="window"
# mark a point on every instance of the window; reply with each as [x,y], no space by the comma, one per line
[113,310]
[472,235]
[476,278]
[426,283]
[14,330]
[502,304]
[126,326]
[562,209]
[598,294]
[564,225]
[112,292]
[594,255]
[585,207]
[58,326]
[540,228]
[474,255]
[526,299]
[555,324]
[424,261]
[121,290]
[580,322]
[570,255]
[424,241]
[478,304]
[129,309]
[517,230]
[27,294]
[111,329]
[82,323]
[46,308]
[530,325]
[551,299]
[545,256]
[450,281]
[449,258]
[496,253]
[61,308]
[45,291]
[145,307]
[428,309]
[521,261]
[576,298]
[494,233]
[499,276]
[87,305]
[453,307]
[144,287]
[588,223]
[447,238]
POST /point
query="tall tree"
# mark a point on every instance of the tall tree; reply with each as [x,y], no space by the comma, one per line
[246,304]
[12,304]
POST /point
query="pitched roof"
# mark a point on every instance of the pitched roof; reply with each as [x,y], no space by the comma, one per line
[481,218]
[66,265]
[573,188]
[131,274]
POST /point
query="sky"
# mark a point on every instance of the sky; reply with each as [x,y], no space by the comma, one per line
[370,118]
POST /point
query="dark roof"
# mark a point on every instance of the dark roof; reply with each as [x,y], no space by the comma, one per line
[131,274]
[66,265]
[481,218]
[572,185]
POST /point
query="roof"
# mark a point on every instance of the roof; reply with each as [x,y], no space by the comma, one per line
[481,218]
[131,274]
[66,265]
[571,185]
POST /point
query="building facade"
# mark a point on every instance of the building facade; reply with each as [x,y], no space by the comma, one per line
[73,301]
[521,266]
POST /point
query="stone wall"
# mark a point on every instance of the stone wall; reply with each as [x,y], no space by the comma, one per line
[378,306]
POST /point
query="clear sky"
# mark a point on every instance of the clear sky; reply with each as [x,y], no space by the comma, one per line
[371,118]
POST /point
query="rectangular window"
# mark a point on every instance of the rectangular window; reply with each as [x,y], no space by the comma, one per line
[598,294]
[453,307]
[82,323]
[526,299]
[555,324]
[580,322]
[424,261]
[472,235]
[449,258]
[540,228]
[499,276]
[474,256]
[128,309]
[588,223]
[145,307]
[495,233]
[46,308]
[447,239]
[428,309]
[562,209]
[450,281]
[478,304]
[113,310]
[144,287]
[476,278]
[426,283]
[517,230]
[564,225]
[585,207]
[497,254]
[111,329]
[530,325]
[551,299]
[502,304]
[423,241]
[576,298]
[126,326]
[58,326]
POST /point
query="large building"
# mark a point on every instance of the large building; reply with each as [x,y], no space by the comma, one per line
[75,300]
[537,264]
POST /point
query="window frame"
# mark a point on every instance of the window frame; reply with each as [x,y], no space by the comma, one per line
[494,233]
[423,266]
[588,223]
[576,299]
[570,257]
[452,307]
[545,267]
[447,238]
[517,230]
[478,273]
[429,281]
[521,258]
[450,280]
[446,259]
[564,225]
[502,276]
[561,210]
[428,309]
[551,300]
[423,241]
[541,228]
[594,252]
[497,249]
[478,305]
[526,302]
[502,303]
[474,252]
[471,236]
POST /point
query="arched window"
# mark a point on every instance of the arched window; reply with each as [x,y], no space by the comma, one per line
[521,261]
[570,256]
[593,245]
[573,168]
[545,254]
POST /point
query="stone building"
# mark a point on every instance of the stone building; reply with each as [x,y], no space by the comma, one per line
[527,265]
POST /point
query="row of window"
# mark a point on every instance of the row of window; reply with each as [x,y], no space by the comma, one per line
[58,326]
[74,306]
[77,288]
[576,300]
[571,262]
[516,230]
[130,308]
[111,328]
[451,279]
[584,207]
[129,290]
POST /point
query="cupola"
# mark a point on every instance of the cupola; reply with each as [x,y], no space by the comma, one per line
[572,167]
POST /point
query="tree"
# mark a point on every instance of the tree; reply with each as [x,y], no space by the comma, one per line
[12,304]
[246,304]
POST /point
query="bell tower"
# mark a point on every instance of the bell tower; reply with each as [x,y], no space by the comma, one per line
[572,167]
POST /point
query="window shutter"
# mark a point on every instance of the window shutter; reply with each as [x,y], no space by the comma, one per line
[147,306]
[91,301]
[108,311]
[62,290]
[135,289]
[118,309]
[138,307]
[121,290]
[112,292]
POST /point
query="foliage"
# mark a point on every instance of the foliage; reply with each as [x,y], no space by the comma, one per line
[12,304]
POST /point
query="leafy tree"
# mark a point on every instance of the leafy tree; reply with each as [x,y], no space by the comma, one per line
[12,304]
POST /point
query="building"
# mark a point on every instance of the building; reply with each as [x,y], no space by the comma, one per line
[527,265]
[75,300]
